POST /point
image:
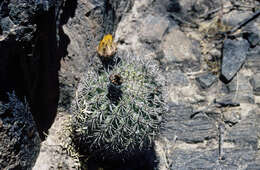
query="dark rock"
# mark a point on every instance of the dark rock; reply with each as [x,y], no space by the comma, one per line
[173,6]
[13,53]
[233,159]
[253,37]
[6,24]
[30,60]
[239,90]
[255,81]
[181,126]
[212,114]
[238,157]
[30,56]
[201,7]
[245,133]
[226,101]
[206,80]
[121,8]
[234,56]
[253,59]
[253,166]
[191,9]
[182,159]
[22,12]
[45,5]
[20,141]
[251,32]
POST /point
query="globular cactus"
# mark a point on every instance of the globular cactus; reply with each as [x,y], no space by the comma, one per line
[117,113]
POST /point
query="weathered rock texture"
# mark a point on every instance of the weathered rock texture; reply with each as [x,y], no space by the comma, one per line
[20,141]
[234,56]
[29,64]
[30,57]
[213,122]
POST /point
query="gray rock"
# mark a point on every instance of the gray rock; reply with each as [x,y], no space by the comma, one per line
[226,101]
[45,5]
[254,37]
[231,118]
[253,59]
[149,22]
[215,53]
[234,56]
[239,90]
[245,133]
[252,33]
[253,166]
[255,81]
[6,24]
[180,52]
[235,17]
[177,47]
[182,127]
[238,157]
[85,27]
[191,9]
[120,7]
[206,80]
[177,78]
[188,159]
[233,159]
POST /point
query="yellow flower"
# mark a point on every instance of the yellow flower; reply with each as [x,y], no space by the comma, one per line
[106,47]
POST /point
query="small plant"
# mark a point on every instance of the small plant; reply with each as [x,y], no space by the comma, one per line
[117,113]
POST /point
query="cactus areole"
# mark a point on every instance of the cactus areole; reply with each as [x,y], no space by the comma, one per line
[117,113]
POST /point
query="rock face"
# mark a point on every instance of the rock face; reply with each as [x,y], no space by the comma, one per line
[29,64]
[20,141]
[206,80]
[234,56]
[256,84]
[16,33]
[176,40]
[30,57]
[213,121]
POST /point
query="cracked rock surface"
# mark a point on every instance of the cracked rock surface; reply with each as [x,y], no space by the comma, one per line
[212,76]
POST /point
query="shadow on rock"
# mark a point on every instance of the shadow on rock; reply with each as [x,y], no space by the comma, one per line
[51,47]
[143,160]
[20,141]
[31,53]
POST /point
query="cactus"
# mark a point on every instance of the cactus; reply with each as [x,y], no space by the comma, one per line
[117,113]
